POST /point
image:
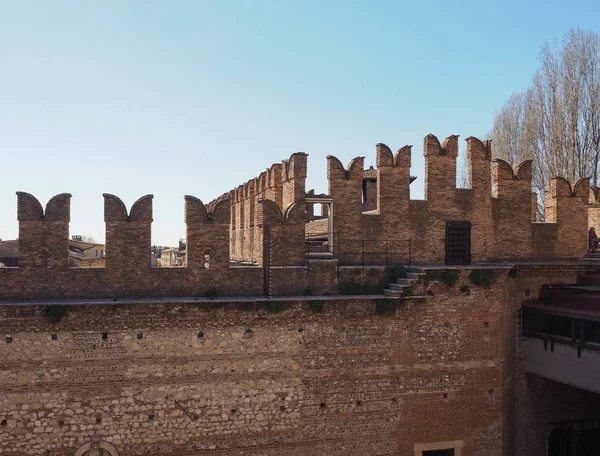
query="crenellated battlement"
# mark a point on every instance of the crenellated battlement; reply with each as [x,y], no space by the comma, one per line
[264,220]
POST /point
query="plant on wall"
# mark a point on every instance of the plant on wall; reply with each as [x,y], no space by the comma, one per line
[448,277]
[55,313]
[482,277]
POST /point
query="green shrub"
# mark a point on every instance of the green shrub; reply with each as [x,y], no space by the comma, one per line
[203,306]
[448,277]
[385,306]
[211,293]
[466,290]
[372,272]
[352,287]
[513,273]
[394,273]
[356,271]
[316,305]
[408,291]
[56,313]
[482,277]
[308,291]
[273,306]
[250,306]
[430,292]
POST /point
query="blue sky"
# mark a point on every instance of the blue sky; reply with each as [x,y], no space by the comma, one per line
[194,97]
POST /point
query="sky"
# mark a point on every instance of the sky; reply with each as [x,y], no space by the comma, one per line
[177,98]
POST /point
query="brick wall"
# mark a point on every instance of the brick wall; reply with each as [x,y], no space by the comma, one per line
[502,225]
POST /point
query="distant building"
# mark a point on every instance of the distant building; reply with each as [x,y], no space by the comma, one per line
[9,253]
[369,189]
[174,257]
[83,254]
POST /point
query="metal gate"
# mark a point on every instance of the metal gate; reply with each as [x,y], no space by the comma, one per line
[458,242]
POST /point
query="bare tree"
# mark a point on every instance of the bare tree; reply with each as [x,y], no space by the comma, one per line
[462,171]
[556,122]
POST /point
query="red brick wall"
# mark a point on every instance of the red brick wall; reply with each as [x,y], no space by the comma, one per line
[501,224]
[44,236]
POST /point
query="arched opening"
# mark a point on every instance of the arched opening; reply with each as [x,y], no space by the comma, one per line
[97,452]
[97,448]
[563,441]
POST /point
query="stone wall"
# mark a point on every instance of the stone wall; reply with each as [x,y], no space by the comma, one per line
[188,377]
[175,378]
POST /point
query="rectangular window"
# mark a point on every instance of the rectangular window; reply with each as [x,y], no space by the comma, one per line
[536,322]
[447,448]
[96,253]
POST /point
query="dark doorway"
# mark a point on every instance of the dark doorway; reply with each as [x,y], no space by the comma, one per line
[448,452]
[458,242]
[589,439]
[563,441]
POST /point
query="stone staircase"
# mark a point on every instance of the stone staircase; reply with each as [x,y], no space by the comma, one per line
[593,257]
[317,248]
[396,290]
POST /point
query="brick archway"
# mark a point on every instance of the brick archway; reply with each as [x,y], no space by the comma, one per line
[104,445]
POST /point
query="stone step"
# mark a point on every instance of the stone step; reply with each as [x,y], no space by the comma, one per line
[415,275]
[397,287]
[392,293]
[320,255]
[404,281]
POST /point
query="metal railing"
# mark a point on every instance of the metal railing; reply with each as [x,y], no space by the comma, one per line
[358,251]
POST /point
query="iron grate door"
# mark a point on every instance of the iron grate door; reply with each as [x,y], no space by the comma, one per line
[448,452]
[458,242]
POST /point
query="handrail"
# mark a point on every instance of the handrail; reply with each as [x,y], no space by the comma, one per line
[359,251]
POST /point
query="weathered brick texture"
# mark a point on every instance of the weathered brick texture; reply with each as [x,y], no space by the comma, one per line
[172,379]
